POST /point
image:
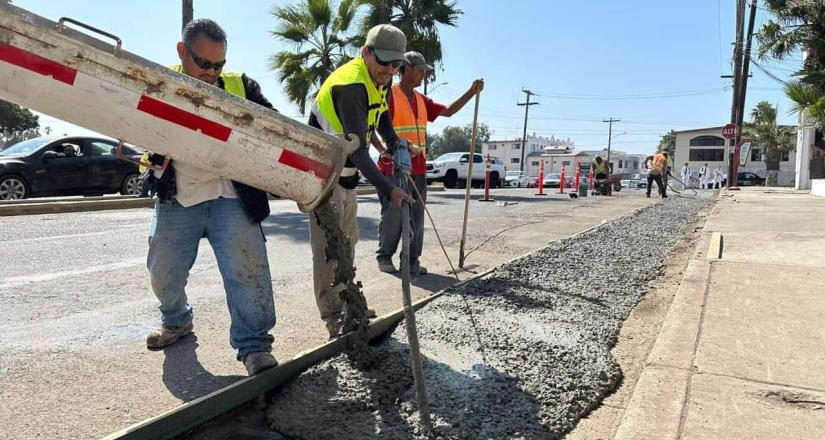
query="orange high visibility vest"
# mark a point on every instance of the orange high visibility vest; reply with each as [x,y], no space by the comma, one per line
[408,126]
[658,163]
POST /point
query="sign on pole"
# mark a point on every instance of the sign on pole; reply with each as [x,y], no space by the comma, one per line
[729,132]
[744,152]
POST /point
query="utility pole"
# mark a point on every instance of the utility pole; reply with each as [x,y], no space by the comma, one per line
[187,13]
[526,105]
[743,88]
[609,138]
[737,80]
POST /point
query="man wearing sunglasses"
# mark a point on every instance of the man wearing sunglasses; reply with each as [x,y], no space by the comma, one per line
[194,203]
[410,112]
[352,100]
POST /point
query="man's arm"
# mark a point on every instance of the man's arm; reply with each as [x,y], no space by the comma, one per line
[458,104]
[253,92]
[352,107]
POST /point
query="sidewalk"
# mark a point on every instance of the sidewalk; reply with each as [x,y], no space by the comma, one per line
[741,353]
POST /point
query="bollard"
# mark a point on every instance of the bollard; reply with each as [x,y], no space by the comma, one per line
[541,180]
[578,176]
[561,184]
[486,197]
[590,179]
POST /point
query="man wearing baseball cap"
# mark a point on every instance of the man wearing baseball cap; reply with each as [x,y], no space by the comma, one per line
[352,100]
[410,111]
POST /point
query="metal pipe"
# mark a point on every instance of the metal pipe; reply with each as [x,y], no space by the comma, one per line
[469,185]
[409,317]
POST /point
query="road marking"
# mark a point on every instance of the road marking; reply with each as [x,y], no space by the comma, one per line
[13,282]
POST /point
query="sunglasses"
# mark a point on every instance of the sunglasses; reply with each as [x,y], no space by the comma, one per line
[205,64]
[394,64]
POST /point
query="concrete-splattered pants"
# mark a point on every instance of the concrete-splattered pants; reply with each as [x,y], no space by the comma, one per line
[346,203]
[240,251]
[389,229]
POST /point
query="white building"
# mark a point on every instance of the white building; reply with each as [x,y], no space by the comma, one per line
[509,151]
[706,145]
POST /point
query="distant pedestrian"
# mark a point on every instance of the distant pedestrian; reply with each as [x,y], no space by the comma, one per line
[717,177]
[704,175]
[685,173]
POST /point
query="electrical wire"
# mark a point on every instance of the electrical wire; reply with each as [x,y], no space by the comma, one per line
[435,229]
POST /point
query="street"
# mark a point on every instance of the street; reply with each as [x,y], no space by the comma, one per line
[77,305]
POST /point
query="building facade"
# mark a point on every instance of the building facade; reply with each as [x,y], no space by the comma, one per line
[509,152]
[707,146]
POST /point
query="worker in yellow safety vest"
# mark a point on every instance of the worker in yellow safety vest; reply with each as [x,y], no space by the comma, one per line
[192,204]
[353,100]
[657,166]
[410,112]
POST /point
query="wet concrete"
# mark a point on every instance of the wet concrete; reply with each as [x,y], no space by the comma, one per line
[522,353]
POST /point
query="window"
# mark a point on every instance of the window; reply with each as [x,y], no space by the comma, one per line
[514,160]
[98,148]
[707,154]
[786,156]
[516,146]
[756,155]
[707,141]
[534,163]
[491,147]
[565,163]
[620,164]
[477,158]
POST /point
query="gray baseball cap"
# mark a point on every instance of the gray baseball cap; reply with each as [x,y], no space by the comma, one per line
[388,42]
[415,59]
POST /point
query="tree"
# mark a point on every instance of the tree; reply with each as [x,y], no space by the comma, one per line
[773,139]
[16,124]
[320,37]
[668,143]
[455,139]
[419,20]
[187,12]
[799,24]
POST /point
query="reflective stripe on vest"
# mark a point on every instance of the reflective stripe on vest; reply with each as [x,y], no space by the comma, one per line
[404,121]
[353,72]
[232,82]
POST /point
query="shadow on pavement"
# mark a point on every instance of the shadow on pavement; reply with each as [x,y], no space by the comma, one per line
[183,374]
[295,226]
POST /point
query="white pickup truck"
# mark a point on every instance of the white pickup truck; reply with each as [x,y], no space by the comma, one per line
[451,168]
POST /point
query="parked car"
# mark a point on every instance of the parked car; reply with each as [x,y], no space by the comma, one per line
[746,178]
[516,179]
[452,169]
[552,180]
[67,166]
[534,182]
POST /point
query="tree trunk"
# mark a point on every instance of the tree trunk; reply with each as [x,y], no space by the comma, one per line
[187,13]
[773,172]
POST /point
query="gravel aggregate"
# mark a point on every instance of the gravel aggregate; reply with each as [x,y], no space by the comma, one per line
[522,353]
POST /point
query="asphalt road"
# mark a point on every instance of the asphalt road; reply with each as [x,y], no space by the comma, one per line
[76,304]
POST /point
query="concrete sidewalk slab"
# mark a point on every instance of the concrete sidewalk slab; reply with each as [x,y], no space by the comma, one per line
[765,323]
[728,408]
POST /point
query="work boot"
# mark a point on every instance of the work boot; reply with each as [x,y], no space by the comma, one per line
[258,361]
[334,328]
[166,336]
[386,266]
[418,270]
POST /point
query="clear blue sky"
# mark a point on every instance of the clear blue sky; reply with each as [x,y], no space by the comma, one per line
[588,60]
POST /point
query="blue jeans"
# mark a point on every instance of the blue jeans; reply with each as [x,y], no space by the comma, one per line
[389,228]
[240,250]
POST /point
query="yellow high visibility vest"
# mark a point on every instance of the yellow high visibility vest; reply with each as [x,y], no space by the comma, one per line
[353,72]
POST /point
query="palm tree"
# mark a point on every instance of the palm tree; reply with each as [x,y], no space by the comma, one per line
[773,139]
[321,41]
[419,20]
[799,24]
[668,143]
